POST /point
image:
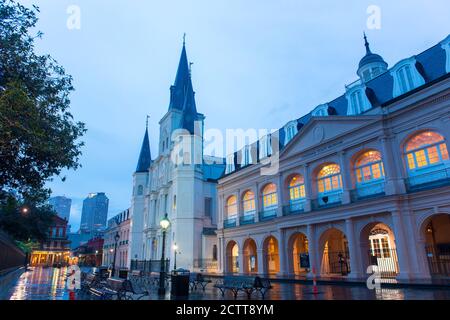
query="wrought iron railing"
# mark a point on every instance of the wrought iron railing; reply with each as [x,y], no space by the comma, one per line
[247,219]
[267,215]
[206,264]
[439,259]
[229,223]
[294,208]
[327,201]
[428,180]
[368,191]
[149,265]
[386,260]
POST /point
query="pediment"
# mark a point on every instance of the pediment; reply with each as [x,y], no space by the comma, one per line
[322,129]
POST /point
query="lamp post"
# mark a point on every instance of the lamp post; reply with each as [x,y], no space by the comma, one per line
[116,239]
[164,224]
[175,249]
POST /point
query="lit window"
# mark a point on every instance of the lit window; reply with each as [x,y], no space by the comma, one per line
[329,179]
[369,167]
[270,196]
[297,188]
[248,202]
[426,149]
[231,207]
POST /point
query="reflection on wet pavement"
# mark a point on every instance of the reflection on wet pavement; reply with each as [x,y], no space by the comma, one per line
[49,284]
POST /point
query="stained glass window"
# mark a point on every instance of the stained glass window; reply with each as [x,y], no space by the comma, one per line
[426,149]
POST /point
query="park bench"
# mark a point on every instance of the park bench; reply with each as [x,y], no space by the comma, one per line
[132,288]
[110,289]
[196,279]
[248,285]
[88,280]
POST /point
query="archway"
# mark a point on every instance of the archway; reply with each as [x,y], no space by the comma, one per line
[335,253]
[250,256]
[298,254]
[232,257]
[378,249]
[272,257]
[436,231]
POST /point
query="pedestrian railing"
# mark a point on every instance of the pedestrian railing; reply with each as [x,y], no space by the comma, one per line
[439,259]
[386,260]
[149,265]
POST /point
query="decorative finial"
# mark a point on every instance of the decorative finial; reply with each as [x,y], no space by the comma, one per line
[184,39]
[146,122]
[366,43]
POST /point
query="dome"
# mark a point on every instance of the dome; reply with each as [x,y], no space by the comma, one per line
[371,58]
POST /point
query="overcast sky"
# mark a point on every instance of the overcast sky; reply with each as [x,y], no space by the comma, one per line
[257,64]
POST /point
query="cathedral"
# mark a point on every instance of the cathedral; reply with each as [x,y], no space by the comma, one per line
[183,189]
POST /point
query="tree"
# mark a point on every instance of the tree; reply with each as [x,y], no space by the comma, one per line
[38,135]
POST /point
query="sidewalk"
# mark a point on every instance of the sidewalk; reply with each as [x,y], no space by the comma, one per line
[343,281]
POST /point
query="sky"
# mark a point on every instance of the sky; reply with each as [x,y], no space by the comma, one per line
[256,64]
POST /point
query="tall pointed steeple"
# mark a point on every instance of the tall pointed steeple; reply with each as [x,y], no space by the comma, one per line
[145,157]
[182,88]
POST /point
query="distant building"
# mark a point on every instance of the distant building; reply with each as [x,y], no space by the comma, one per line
[119,224]
[61,205]
[90,253]
[79,238]
[55,250]
[95,212]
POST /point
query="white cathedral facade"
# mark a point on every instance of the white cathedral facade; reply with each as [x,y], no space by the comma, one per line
[184,190]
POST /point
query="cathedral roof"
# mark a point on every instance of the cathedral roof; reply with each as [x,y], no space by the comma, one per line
[370,57]
[145,157]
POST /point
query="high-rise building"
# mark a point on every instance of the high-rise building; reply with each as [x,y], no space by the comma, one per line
[61,205]
[95,212]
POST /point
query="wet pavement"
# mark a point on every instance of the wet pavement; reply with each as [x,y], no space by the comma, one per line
[49,284]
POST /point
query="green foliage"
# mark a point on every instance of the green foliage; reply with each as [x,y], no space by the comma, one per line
[25,221]
[38,136]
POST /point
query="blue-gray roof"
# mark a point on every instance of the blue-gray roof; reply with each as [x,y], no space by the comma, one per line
[145,157]
[431,64]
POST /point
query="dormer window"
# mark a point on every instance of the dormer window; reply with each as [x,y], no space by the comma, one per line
[446,46]
[291,131]
[265,146]
[357,100]
[230,164]
[246,156]
[320,111]
[406,77]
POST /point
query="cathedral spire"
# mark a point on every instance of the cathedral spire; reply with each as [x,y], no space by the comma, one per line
[145,157]
[366,43]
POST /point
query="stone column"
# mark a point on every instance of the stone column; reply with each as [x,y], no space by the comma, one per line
[308,187]
[280,194]
[313,248]
[238,205]
[355,264]
[241,259]
[401,246]
[257,203]
[346,177]
[260,261]
[394,178]
[282,252]
[220,255]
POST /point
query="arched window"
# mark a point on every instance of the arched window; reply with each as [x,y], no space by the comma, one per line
[296,193]
[270,200]
[425,150]
[329,179]
[140,191]
[231,207]
[369,167]
[248,202]
[329,184]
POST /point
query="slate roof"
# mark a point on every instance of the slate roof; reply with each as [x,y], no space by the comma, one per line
[431,64]
[145,157]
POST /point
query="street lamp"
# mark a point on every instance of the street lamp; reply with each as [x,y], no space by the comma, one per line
[175,249]
[116,239]
[164,224]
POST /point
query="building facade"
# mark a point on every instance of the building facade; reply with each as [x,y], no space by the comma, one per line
[94,213]
[183,188]
[118,225]
[362,180]
[90,253]
[55,250]
[61,205]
